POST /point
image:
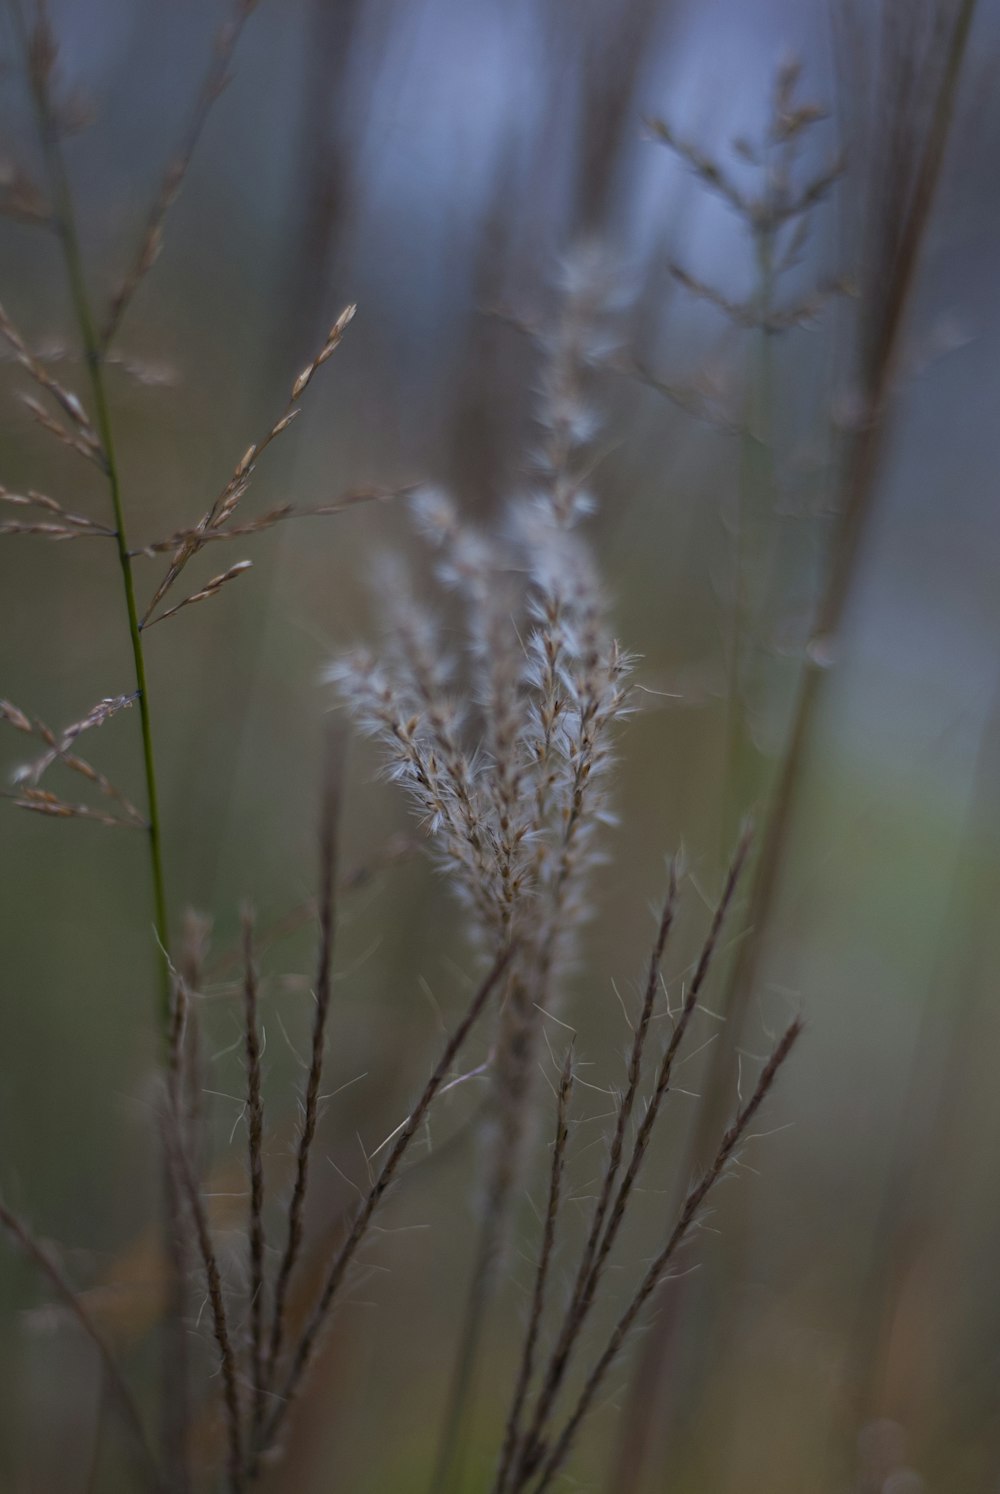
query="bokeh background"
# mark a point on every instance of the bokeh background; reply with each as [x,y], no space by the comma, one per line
[438,162]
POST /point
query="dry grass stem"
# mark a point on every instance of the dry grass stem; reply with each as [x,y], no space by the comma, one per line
[269,520]
[255,1156]
[361,1222]
[626,1104]
[181,1163]
[310,1107]
[612,1205]
[626,1323]
[526,1366]
[189,1188]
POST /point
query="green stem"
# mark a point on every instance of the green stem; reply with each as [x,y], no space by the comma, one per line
[65,225]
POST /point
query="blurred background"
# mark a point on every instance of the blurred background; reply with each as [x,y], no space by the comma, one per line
[441,164]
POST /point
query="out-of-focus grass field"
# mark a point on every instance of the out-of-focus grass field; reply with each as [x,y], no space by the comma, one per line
[849,1281]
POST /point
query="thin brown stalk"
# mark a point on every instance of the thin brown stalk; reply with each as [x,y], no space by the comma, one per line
[255,1142]
[176,1032]
[585,1288]
[179,1160]
[310,1111]
[665,1073]
[274,516]
[363,1217]
[176,1408]
[627,1103]
[527,1362]
[689,1213]
[195,933]
[64,1289]
[216,1298]
[175,1403]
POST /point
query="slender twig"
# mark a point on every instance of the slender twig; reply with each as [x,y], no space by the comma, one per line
[527,1363]
[175,1406]
[692,1206]
[627,1103]
[310,1112]
[585,1289]
[337,1271]
[274,516]
[176,1409]
[255,1137]
[181,1162]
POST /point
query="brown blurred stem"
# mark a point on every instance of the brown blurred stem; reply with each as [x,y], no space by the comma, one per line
[880,354]
[528,1353]
[255,1160]
[310,1108]
[116,1385]
[688,1215]
[358,1230]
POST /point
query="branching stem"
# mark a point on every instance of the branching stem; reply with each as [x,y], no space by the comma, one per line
[64,222]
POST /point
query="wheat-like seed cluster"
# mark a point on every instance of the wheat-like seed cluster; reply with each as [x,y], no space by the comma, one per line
[504,744]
